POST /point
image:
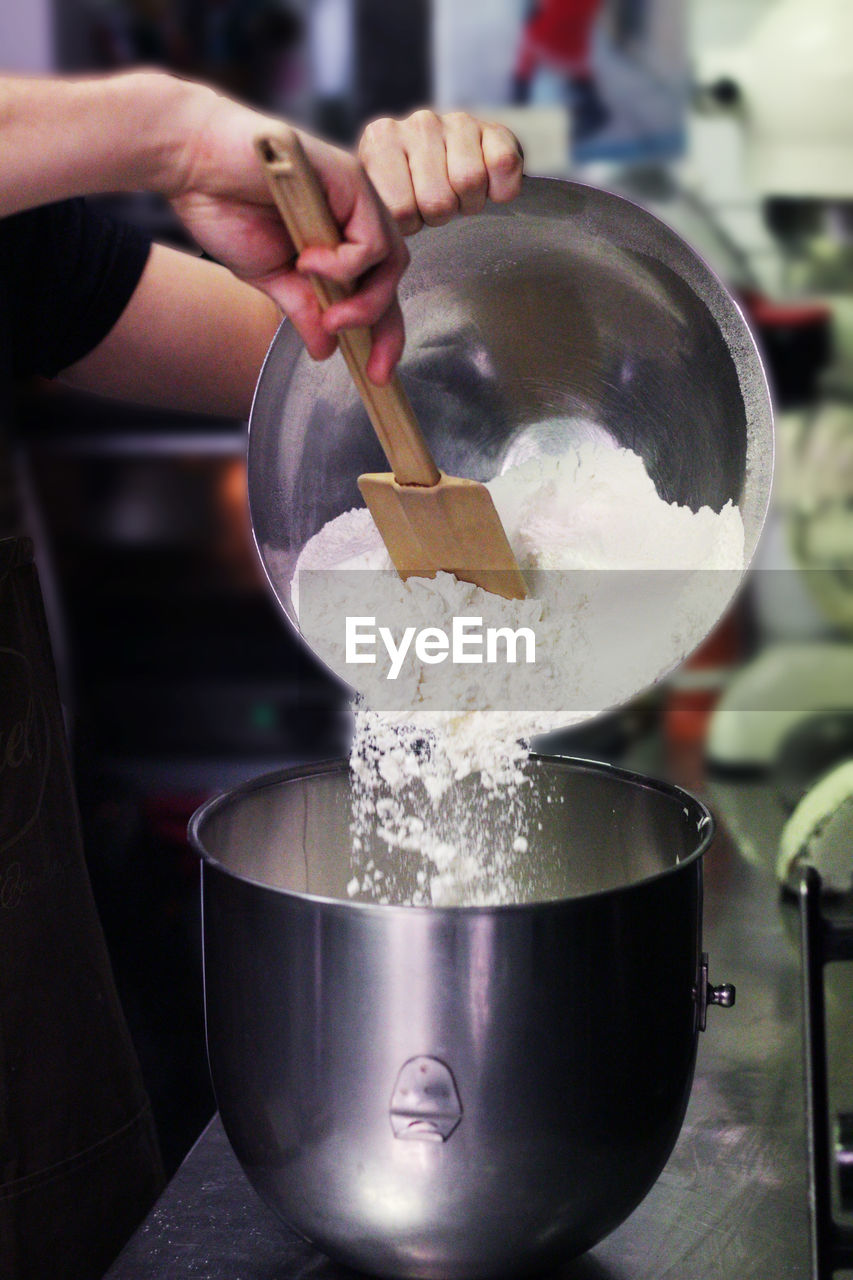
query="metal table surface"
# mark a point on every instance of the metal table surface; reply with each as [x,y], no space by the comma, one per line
[732,1201]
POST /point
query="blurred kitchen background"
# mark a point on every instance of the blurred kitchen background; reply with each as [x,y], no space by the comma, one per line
[731,119]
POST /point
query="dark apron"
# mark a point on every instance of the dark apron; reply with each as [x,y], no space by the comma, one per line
[79,1161]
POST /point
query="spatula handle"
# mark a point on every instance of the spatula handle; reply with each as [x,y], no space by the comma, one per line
[305,212]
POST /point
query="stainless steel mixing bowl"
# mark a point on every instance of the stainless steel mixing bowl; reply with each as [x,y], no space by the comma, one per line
[570,304]
[460,1091]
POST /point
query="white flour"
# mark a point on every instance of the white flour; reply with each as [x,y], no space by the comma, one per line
[601,637]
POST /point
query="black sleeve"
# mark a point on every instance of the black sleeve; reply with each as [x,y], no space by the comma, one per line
[68,273]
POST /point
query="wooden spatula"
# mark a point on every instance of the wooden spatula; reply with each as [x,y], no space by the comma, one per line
[428,520]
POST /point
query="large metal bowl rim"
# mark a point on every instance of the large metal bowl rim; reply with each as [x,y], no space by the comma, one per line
[705,830]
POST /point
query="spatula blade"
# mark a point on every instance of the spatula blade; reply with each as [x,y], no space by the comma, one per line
[453,525]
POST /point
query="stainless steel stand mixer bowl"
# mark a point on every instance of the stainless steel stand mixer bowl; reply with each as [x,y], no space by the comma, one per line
[455,1092]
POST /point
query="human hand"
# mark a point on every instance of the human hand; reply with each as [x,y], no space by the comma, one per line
[429,167]
[423,169]
[221,195]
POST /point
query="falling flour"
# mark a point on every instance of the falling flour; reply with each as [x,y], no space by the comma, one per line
[622,586]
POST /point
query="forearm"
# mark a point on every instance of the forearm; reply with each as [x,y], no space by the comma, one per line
[153,132]
[70,137]
[192,337]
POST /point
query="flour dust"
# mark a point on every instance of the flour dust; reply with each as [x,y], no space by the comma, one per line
[622,587]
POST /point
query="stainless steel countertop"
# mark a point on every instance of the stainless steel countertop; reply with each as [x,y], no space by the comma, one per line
[731,1203]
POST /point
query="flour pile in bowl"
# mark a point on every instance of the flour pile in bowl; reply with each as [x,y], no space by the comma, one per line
[622,587]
